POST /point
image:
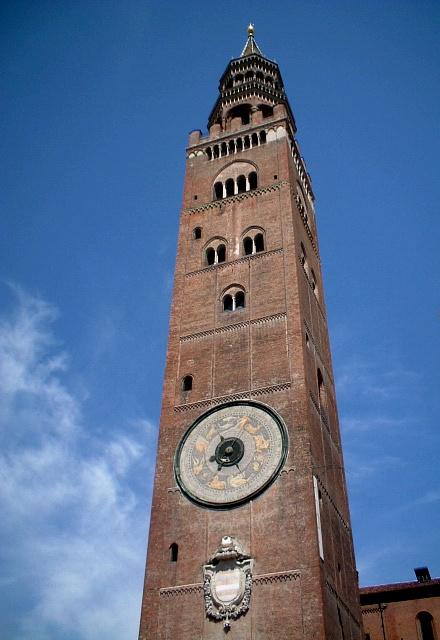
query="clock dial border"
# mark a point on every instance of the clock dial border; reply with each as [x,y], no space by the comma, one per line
[259,490]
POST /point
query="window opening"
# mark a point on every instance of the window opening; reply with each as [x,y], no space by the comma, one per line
[216,151]
[221,253]
[248,246]
[229,187]
[262,137]
[426,625]
[209,153]
[241,184]
[253,180]
[239,300]
[259,242]
[218,190]
[232,146]
[224,149]
[210,255]
[197,233]
[174,552]
[247,142]
[239,144]
[228,303]
[255,140]
[187,383]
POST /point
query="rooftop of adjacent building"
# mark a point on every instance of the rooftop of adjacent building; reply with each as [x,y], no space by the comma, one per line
[423,587]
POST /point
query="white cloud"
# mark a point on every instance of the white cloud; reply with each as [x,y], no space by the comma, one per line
[76,529]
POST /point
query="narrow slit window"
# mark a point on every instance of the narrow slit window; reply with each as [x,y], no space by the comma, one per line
[197,233]
[174,552]
[210,256]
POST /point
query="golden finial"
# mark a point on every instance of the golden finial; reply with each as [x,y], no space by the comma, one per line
[251,30]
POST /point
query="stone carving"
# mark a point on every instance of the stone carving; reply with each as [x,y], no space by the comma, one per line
[227,582]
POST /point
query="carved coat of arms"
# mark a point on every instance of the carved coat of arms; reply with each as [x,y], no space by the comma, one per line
[227,582]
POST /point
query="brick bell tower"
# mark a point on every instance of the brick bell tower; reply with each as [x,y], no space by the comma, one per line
[250,532]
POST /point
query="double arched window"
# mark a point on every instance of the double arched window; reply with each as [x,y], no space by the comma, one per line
[234,299]
[253,241]
[215,252]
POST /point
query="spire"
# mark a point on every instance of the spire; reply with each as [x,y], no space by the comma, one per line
[251,46]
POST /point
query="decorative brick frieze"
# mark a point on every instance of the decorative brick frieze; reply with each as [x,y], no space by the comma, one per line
[232,327]
[254,393]
[320,411]
[310,283]
[281,576]
[225,265]
[181,590]
[197,587]
[303,215]
[332,502]
[239,197]
[318,352]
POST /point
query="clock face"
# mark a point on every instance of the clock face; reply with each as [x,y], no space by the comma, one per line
[230,454]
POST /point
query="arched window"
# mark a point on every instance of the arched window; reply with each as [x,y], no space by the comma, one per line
[231,146]
[249,76]
[259,242]
[239,78]
[187,383]
[426,625]
[224,149]
[239,300]
[269,80]
[248,246]
[174,552]
[255,139]
[210,255]
[234,300]
[229,184]
[215,252]
[221,253]
[239,144]
[218,190]
[228,303]
[253,242]
[241,184]
[259,75]
[197,233]
[216,151]
[253,180]
[247,142]
[209,153]
[262,137]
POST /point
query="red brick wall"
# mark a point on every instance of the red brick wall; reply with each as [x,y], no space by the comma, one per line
[258,352]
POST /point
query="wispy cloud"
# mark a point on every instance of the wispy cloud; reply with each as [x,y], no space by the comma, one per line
[67,507]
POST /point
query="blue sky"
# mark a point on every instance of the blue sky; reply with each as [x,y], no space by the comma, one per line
[98,99]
